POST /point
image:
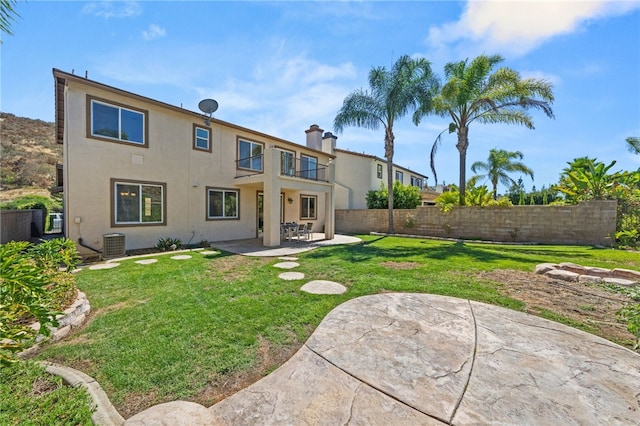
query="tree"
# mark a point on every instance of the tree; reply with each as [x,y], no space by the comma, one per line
[393,93]
[473,93]
[7,13]
[633,144]
[497,167]
[587,179]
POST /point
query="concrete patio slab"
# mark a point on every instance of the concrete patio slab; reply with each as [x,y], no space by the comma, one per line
[425,359]
[254,247]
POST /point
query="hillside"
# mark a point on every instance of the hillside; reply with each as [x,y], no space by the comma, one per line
[28,157]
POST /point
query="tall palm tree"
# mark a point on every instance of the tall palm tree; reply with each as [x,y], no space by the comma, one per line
[474,92]
[633,144]
[497,167]
[7,13]
[393,93]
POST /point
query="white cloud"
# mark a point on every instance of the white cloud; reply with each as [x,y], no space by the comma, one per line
[516,27]
[112,9]
[153,32]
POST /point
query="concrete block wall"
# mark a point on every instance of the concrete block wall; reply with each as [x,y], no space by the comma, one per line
[589,223]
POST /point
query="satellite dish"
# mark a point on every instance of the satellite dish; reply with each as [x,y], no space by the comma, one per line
[208,106]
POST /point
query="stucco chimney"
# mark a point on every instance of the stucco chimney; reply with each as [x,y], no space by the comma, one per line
[314,137]
[329,143]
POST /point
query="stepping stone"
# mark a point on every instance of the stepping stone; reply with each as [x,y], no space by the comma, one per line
[181,257]
[146,261]
[288,258]
[208,252]
[104,266]
[291,276]
[286,265]
[179,413]
[323,287]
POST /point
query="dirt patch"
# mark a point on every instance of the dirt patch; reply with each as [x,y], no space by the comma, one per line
[400,265]
[42,385]
[588,304]
[234,268]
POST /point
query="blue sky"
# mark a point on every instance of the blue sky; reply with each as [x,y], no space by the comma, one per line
[278,67]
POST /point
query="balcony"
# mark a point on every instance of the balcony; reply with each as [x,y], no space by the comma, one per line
[303,168]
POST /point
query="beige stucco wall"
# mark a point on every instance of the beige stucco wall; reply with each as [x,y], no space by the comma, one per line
[356,175]
[592,222]
[90,165]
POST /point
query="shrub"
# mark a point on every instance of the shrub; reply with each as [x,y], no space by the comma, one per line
[404,197]
[168,243]
[32,288]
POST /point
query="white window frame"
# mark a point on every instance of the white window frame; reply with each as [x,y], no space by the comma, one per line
[291,169]
[309,172]
[399,175]
[251,158]
[120,108]
[305,202]
[144,204]
[224,192]
[379,171]
[198,139]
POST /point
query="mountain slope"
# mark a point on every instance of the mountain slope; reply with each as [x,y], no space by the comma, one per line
[29,154]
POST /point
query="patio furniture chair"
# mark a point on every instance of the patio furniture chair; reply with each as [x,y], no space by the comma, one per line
[286,231]
[310,230]
[301,231]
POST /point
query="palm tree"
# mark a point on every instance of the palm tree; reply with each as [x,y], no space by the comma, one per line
[633,144]
[474,93]
[497,167]
[393,93]
[7,13]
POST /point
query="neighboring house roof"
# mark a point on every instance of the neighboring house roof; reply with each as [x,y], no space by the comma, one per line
[373,157]
[65,75]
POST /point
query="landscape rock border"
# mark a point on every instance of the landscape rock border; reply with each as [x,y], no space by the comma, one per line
[71,318]
[589,274]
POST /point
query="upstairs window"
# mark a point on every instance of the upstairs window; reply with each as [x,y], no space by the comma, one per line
[308,167]
[416,181]
[399,176]
[250,155]
[287,163]
[379,171]
[201,138]
[117,123]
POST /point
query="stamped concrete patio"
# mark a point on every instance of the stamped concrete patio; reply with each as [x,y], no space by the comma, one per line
[405,359]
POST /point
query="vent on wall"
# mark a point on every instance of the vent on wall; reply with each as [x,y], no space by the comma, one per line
[113,245]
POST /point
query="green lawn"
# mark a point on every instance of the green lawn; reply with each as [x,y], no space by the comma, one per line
[178,329]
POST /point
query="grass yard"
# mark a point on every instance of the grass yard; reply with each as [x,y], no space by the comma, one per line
[203,328]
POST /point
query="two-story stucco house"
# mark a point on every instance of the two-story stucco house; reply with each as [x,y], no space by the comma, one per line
[143,170]
[358,173]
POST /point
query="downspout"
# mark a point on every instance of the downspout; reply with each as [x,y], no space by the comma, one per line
[89,247]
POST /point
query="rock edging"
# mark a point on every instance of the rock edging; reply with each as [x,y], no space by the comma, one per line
[589,274]
[71,318]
